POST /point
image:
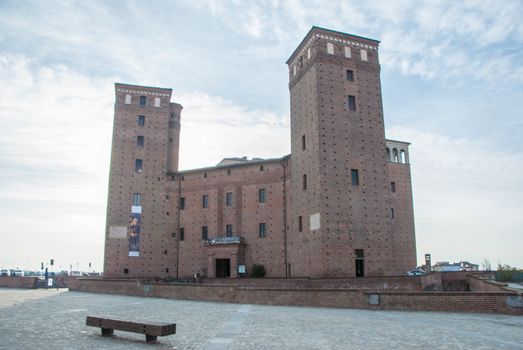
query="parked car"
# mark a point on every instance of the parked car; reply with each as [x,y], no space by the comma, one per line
[17,272]
[416,272]
[5,272]
[76,274]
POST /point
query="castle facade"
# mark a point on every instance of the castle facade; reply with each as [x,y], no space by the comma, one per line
[340,205]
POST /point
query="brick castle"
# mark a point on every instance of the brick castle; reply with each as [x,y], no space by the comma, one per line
[340,205]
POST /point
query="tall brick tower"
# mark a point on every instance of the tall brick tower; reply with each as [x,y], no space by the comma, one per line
[340,207]
[144,149]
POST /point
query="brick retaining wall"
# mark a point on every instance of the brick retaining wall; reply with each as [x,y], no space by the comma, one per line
[18,282]
[485,302]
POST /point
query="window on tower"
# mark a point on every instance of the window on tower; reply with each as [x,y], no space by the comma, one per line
[182,203]
[228,199]
[303,144]
[304,181]
[352,102]
[350,75]
[157,102]
[127,99]
[393,186]
[205,201]
[143,100]
[139,141]
[355,178]
[137,199]
[261,195]
[141,120]
[363,54]
[228,230]
[205,232]
[347,52]
[262,230]
[330,48]
[182,234]
[138,165]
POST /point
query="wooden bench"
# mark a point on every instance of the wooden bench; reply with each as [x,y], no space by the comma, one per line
[152,330]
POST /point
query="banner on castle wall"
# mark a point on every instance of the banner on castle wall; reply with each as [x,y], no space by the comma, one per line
[133,231]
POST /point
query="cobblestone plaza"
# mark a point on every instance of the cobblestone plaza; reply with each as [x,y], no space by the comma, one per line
[51,319]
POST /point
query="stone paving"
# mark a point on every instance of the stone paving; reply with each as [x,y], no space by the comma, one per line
[51,319]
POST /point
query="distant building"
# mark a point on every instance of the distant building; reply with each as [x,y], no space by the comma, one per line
[445,266]
[339,205]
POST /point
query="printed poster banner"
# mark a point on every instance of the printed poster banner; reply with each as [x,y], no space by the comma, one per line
[133,231]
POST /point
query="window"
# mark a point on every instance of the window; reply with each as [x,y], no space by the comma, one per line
[204,175]
[304,181]
[347,52]
[127,99]
[309,53]
[139,141]
[205,233]
[330,48]
[205,201]
[303,142]
[300,223]
[141,120]
[228,230]
[228,199]
[126,271]
[261,195]
[261,167]
[156,102]
[293,70]
[355,178]
[350,75]
[363,54]
[262,230]
[182,234]
[182,203]
[228,171]
[392,213]
[352,103]
[359,262]
[393,186]
[137,199]
[143,100]
[138,165]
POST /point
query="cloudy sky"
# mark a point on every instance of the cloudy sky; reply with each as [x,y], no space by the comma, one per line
[452,80]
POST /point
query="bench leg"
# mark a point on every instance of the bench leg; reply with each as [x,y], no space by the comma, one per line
[150,338]
[107,332]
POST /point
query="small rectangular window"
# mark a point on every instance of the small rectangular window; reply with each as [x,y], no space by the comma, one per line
[205,201]
[262,230]
[347,52]
[304,181]
[330,48]
[137,199]
[303,145]
[309,53]
[300,223]
[138,166]
[363,54]
[139,141]
[127,99]
[350,75]
[355,178]
[352,103]
[358,253]
[228,171]
[261,167]
[393,186]
[156,102]
[182,234]
[182,203]
[392,213]
[228,199]
[141,120]
[261,195]
[205,233]
[228,230]
[143,100]
[293,70]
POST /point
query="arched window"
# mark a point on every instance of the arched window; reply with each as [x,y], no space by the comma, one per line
[330,48]
[395,156]
[143,100]
[403,156]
